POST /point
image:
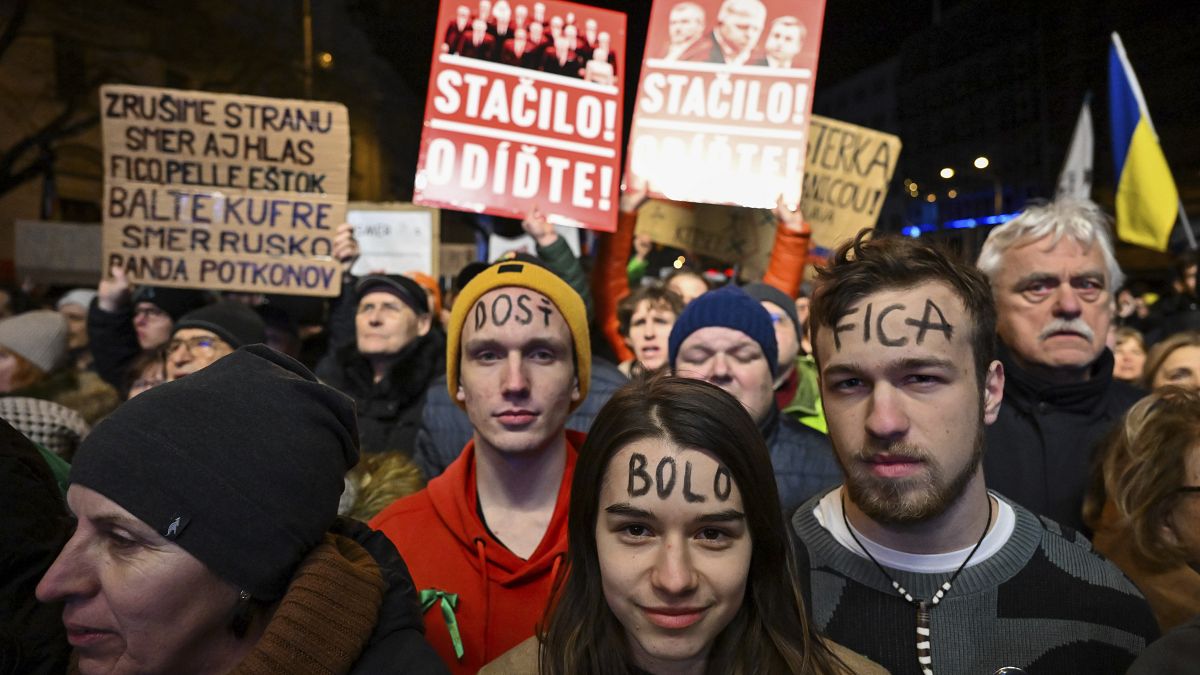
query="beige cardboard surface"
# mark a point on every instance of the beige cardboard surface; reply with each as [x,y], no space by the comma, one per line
[846,178]
[57,252]
[454,257]
[223,192]
[733,234]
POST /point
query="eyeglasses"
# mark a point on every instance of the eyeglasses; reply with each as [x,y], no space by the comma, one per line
[150,312]
[200,346]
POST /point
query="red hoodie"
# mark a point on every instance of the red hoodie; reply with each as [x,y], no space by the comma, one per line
[501,597]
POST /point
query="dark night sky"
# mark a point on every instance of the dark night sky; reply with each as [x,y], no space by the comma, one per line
[857,33]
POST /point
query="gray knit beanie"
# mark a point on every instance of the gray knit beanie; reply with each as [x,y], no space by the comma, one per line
[39,337]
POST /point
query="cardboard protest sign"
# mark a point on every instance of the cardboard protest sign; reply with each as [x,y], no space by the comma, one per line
[57,252]
[223,192]
[523,110]
[724,100]
[395,237]
[735,235]
[453,257]
[846,178]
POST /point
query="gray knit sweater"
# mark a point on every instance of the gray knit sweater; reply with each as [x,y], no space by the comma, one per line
[1044,602]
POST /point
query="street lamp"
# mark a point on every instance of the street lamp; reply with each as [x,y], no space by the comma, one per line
[982,163]
[947,173]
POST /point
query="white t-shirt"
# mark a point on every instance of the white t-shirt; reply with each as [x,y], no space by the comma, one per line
[828,513]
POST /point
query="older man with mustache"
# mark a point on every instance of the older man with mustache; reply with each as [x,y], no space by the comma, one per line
[1053,277]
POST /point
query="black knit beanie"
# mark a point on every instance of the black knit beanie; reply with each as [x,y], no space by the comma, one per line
[730,307]
[408,291]
[233,322]
[240,463]
[768,293]
[174,301]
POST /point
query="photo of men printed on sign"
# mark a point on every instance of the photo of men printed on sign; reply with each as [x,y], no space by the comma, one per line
[736,32]
[721,114]
[501,138]
[550,37]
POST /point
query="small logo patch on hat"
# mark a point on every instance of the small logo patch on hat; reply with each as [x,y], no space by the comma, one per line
[176,527]
[510,267]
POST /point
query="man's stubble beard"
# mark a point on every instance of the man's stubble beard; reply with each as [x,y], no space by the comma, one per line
[909,500]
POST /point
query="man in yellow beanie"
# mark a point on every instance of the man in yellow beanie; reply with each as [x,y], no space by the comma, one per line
[485,540]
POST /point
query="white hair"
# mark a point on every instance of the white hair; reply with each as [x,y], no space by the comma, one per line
[750,7]
[1080,219]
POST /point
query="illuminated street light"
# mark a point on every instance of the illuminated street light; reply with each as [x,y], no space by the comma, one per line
[948,172]
[981,162]
[931,198]
[952,193]
[325,60]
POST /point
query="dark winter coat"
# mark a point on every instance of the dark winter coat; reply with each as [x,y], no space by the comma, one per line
[802,458]
[1040,449]
[389,411]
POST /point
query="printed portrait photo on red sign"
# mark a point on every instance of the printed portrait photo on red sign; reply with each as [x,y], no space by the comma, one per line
[524,111]
[724,100]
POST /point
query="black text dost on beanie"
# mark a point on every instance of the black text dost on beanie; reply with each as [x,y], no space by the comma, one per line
[241,464]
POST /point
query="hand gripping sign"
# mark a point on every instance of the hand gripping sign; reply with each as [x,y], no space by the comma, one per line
[524,109]
[724,100]
[223,192]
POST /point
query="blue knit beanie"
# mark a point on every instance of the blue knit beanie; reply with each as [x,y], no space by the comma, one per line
[728,307]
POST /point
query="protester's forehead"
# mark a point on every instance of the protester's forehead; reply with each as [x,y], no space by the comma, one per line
[719,338]
[186,333]
[927,316]
[1032,252]
[656,470]
[510,308]
[648,305]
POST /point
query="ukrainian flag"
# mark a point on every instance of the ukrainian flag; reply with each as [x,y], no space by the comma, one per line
[1147,201]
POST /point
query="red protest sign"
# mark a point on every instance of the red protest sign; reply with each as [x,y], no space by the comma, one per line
[524,110]
[724,100]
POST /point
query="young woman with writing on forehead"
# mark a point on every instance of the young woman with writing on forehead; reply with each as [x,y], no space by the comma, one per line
[678,559]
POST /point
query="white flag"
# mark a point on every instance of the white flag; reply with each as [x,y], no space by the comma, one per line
[1076,177]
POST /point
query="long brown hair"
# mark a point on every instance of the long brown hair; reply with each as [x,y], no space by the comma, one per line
[770,633]
[1142,469]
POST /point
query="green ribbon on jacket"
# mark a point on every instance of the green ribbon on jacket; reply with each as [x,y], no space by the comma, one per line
[449,601]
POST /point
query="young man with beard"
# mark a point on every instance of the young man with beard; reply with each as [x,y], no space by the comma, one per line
[953,577]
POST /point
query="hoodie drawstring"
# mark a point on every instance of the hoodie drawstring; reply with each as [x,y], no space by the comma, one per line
[487,595]
[558,557]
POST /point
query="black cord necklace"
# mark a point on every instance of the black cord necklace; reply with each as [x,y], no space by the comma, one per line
[924,607]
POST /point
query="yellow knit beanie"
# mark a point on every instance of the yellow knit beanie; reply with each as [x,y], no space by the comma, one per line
[535,278]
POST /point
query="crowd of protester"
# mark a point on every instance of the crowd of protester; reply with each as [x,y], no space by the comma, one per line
[906,464]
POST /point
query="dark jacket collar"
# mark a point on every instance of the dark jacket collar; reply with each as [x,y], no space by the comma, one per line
[1025,390]
[416,365]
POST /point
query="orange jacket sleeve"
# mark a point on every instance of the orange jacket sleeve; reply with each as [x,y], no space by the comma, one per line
[789,254]
[610,282]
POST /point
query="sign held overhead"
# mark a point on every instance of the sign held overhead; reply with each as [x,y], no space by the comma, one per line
[223,192]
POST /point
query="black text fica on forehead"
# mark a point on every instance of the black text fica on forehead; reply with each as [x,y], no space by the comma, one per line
[872,324]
